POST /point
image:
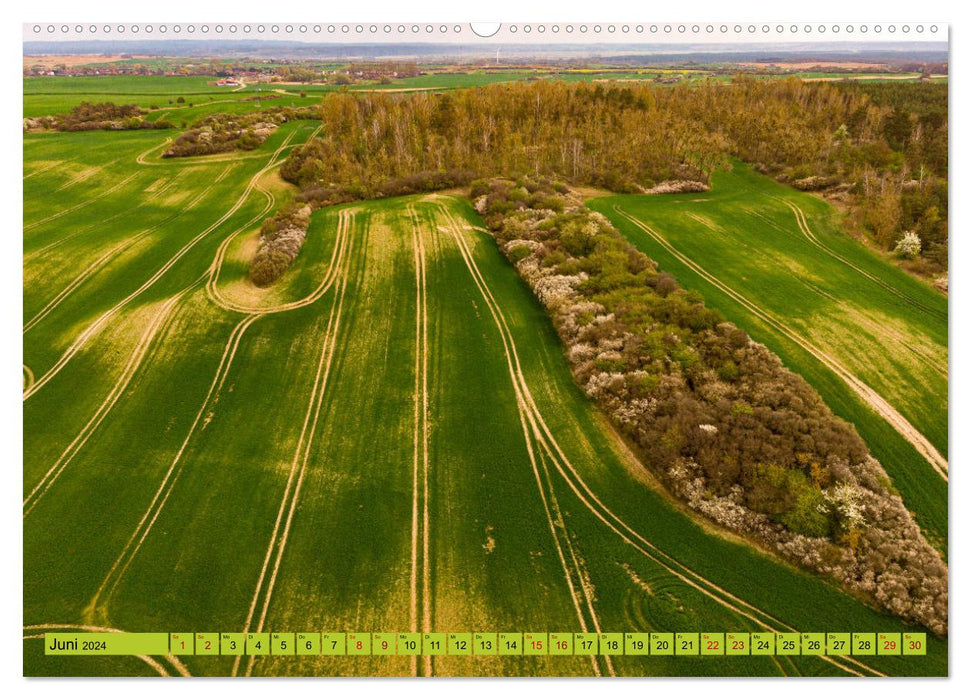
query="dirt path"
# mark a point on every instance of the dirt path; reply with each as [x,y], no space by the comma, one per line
[616,524]
[92,329]
[159,321]
[880,405]
[298,468]
[38,631]
[28,379]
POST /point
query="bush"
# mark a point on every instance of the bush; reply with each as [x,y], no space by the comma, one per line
[281,238]
[908,246]
[517,253]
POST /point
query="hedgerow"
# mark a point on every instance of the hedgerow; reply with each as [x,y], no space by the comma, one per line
[729,430]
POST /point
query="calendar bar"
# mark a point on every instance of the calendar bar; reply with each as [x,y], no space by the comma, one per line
[298,644]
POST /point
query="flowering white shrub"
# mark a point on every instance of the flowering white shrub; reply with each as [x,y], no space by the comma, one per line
[908,246]
[556,289]
[602,382]
[847,500]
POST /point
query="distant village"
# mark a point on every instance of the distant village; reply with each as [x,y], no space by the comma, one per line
[229,74]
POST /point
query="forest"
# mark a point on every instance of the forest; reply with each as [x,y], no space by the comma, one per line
[879,152]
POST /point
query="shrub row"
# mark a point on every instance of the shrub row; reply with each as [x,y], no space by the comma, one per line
[89,116]
[222,133]
[729,430]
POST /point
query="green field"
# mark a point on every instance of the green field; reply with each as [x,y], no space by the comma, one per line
[775,261]
[389,439]
[50,95]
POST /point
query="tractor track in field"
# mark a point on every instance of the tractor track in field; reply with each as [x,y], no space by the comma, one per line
[420,491]
[95,326]
[85,175]
[615,523]
[159,322]
[28,377]
[142,158]
[870,396]
[38,631]
[344,223]
[924,357]
[88,272]
[145,525]
[576,579]
[804,228]
[64,212]
[99,224]
[96,608]
[112,253]
[298,468]
[43,169]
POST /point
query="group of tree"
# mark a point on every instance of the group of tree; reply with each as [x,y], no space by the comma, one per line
[281,238]
[93,116]
[221,133]
[885,159]
[730,431]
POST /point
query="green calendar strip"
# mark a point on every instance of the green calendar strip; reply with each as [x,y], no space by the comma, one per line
[487,644]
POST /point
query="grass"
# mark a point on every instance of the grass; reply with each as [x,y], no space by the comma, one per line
[166,514]
[886,327]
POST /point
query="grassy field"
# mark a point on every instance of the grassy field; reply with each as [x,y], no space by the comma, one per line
[389,439]
[775,261]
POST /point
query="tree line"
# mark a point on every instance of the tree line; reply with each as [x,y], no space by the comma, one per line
[881,154]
